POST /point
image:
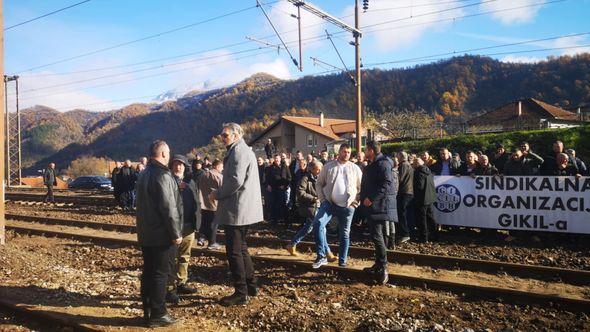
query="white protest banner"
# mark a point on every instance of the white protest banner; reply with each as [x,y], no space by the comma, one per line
[533,203]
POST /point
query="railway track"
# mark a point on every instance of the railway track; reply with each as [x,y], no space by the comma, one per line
[570,276]
[470,289]
[67,199]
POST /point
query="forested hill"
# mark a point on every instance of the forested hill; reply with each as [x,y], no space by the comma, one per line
[453,89]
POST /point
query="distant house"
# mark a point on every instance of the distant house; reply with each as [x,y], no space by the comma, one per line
[527,113]
[308,134]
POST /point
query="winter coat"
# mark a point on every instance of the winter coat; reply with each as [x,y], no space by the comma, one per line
[49,178]
[159,206]
[126,179]
[424,190]
[378,186]
[454,166]
[487,170]
[209,182]
[406,174]
[307,197]
[239,198]
[191,206]
[277,176]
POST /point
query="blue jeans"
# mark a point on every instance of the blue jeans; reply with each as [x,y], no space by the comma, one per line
[303,231]
[325,213]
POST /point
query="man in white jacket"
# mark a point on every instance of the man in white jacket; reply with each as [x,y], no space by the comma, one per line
[338,187]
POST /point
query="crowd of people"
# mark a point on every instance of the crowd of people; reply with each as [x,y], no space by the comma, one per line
[178,202]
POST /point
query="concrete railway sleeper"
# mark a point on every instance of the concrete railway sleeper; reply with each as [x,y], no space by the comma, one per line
[470,290]
[570,276]
[81,200]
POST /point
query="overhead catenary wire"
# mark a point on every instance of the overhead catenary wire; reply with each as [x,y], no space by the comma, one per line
[397,27]
[293,30]
[45,15]
[258,4]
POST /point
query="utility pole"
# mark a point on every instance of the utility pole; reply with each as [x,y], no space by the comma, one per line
[359,101]
[2,110]
[357,34]
[13,136]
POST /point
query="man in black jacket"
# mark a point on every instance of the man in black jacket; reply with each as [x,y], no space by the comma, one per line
[269,149]
[446,165]
[307,206]
[277,179]
[405,194]
[560,166]
[126,181]
[378,197]
[501,157]
[424,196]
[159,231]
[49,180]
[191,217]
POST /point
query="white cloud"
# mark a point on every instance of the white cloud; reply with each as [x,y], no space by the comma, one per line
[406,20]
[574,41]
[520,59]
[526,12]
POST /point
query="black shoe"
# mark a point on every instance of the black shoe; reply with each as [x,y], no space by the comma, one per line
[371,270]
[147,312]
[172,298]
[234,299]
[184,289]
[382,276]
[165,320]
[401,240]
[252,291]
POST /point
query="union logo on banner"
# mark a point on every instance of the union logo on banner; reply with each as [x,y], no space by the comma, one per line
[448,198]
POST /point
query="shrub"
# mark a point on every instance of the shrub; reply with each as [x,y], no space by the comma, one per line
[88,165]
[541,142]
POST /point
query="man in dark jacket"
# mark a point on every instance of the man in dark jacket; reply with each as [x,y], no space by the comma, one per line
[191,217]
[159,231]
[269,149]
[424,196]
[307,206]
[49,180]
[126,181]
[277,179]
[378,197]
[115,182]
[501,157]
[471,166]
[531,161]
[446,165]
[520,164]
[582,169]
[559,167]
[485,168]
[405,195]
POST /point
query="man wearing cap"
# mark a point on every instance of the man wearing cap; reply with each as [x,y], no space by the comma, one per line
[191,218]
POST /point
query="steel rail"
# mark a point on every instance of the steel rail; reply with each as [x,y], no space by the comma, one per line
[547,273]
[472,291]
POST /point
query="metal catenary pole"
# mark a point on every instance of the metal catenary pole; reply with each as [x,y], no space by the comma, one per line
[2,133]
[359,101]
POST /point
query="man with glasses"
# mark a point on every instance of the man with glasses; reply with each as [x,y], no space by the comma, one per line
[239,206]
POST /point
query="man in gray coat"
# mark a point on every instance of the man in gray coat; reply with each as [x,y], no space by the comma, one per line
[159,232]
[239,206]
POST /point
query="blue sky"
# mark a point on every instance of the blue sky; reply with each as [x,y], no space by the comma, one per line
[216,53]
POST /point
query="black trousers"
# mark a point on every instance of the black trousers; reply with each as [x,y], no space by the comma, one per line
[157,269]
[377,228]
[403,201]
[240,263]
[49,195]
[425,223]
[209,226]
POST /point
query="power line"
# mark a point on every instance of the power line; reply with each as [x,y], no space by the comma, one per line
[45,15]
[317,38]
[148,76]
[429,57]
[235,44]
[159,34]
